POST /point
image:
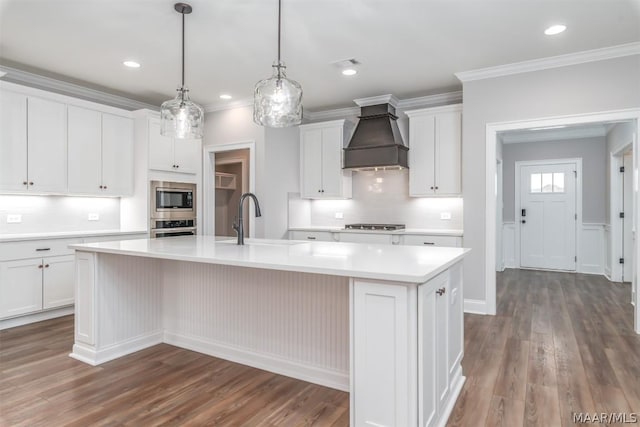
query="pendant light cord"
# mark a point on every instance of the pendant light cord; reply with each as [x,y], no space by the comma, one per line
[182,49]
[279,33]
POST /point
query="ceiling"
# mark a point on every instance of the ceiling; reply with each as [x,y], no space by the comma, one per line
[407,47]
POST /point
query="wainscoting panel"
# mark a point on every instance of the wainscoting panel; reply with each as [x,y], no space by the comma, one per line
[607,251]
[591,253]
[509,244]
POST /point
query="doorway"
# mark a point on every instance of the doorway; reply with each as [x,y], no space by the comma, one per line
[547,213]
[231,181]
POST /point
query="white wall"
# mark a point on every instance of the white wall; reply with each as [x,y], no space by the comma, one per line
[277,158]
[585,88]
[41,214]
[383,197]
[592,151]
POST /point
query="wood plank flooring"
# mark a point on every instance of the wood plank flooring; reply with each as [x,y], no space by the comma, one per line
[561,343]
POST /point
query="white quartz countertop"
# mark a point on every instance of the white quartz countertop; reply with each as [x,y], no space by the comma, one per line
[65,234]
[414,264]
[421,231]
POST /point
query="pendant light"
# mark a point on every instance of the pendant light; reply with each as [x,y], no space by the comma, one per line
[180,117]
[277,101]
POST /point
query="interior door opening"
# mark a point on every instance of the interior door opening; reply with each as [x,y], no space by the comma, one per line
[231,181]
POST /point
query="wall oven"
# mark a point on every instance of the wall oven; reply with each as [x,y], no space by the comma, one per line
[173,200]
[172,227]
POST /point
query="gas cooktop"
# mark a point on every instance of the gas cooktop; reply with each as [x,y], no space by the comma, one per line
[385,227]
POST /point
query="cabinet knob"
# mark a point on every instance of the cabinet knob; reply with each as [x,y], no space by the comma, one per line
[46,266]
[105,187]
[436,187]
[177,166]
[319,191]
[24,182]
[101,187]
[441,291]
[431,187]
[322,191]
[31,183]
[40,266]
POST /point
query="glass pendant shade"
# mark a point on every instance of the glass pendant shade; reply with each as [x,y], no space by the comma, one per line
[181,118]
[277,101]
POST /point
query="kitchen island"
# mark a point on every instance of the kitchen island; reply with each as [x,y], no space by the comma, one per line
[383,322]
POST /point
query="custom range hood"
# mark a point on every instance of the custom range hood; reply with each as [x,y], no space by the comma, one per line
[376,143]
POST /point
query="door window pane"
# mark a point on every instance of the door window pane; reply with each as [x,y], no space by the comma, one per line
[558,182]
[547,182]
[536,183]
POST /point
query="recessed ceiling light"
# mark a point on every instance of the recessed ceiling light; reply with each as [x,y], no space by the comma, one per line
[555,29]
[225,96]
[131,64]
[349,72]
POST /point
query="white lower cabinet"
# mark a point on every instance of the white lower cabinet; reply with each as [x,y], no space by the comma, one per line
[366,238]
[407,349]
[20,287]
[58,281]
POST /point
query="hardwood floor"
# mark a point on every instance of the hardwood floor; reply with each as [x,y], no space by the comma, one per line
[561,343]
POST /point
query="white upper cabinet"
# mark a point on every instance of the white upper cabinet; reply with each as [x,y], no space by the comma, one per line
[13,141]
[100,153]
[321,173]
[33,144]
[117,155]
[46,146]
[435,144]
[172,155]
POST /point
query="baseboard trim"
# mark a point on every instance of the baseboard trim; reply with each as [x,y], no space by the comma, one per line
[96,357]
[332,379]
[475,306]
[35,317]
[456,388]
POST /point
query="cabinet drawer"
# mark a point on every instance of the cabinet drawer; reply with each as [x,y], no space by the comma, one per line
[322,236]
[36,248]
[413,239]
[366,238]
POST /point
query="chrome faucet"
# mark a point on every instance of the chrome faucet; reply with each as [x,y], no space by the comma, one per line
[239,228]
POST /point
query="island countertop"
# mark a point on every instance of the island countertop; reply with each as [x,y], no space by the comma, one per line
[412,264]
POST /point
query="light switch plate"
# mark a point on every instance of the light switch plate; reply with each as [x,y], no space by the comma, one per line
[94,217]
[339,215]
[445,215]
[14,218]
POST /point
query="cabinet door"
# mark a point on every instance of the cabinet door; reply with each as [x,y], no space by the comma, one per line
[442,339]
[427,348]
[311,163]
[448,153]
[20,287]
[13,141]
[456,322]
[383,355]
[160,148]
[332,174]
[117,155]
[47,145]
[319,236]
[186,153]
[84,158]
[421,155]
[58,281]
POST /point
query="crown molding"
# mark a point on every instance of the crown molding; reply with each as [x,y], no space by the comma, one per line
[26,78]
[431,100]
[552,135]
[377,100]
[551,62]
[228,105]
[338,113]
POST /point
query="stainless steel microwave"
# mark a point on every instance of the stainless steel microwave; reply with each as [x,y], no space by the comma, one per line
[173,200]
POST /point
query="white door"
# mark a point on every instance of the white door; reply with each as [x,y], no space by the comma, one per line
[84,142]
[547,215]
[332,162]
[448,153]
[58,284]
[186,153]
[627,231]
[47,147]
[422,153]
[160,148]
[20,287]
[311,162]
[117,155]
[13,141]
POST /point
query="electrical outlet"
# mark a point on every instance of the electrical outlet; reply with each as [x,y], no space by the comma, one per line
[339,215]
[14,218]
[445,215]
[94,217]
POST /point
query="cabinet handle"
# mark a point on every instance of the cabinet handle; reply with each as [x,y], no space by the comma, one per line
[428,243]
[42,249]
[441,291]
[311,238]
